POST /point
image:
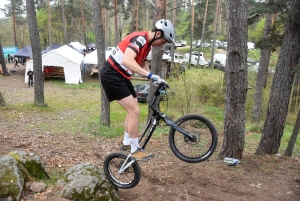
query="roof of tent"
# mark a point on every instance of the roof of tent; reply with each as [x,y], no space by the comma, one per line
[71,46]
[65,57]
[54,46]
[91,45]
[26,52]
[78,46]
[92,58]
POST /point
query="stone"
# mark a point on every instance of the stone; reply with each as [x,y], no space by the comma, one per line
[87,182]
[38,187]
[12,178]
[32,162]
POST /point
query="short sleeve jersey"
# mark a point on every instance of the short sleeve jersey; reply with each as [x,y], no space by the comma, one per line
[138,42]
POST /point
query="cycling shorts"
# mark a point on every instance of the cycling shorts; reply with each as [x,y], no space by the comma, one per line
[116,87]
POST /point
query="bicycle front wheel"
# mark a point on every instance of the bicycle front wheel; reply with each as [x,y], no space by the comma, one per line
[118,175]
[204,145]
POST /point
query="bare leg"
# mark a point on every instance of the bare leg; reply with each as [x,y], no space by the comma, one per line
[130,104]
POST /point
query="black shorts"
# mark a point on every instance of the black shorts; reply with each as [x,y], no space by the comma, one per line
[116,87]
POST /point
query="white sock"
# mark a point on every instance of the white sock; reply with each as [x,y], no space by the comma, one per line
[134,144]
[126,139]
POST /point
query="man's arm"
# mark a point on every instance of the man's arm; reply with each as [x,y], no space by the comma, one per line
[144,65]
[130,63]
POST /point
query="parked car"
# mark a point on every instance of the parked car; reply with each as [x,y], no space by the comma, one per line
[194,58]
[142,91]
[205,44]
[181,43]
[178,58]
[219,61]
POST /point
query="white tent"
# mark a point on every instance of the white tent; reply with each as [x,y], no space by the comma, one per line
[78,46]
[65,57]
[92,58]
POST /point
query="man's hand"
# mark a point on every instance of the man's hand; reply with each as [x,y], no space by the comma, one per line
[155,79]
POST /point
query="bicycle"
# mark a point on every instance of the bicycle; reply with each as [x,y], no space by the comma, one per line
[192,138]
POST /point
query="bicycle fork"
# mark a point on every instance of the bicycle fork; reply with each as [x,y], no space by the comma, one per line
[126,164]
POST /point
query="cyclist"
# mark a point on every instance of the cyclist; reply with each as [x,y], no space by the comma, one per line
[128,57]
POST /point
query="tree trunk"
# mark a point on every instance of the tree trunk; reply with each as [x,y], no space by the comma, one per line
[137,16]
[49,26]
[295,93]
[192,32]
[14,22]
[156,52]
[36,54]
[83,26]
[215,34]
[265,53]
[203,30]
[62,3]
[237,82]
[116,24]
[2,101]
[2,61]
[100,45]
[282,85]
[292,141]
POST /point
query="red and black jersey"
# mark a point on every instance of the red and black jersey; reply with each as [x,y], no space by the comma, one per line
[138,42]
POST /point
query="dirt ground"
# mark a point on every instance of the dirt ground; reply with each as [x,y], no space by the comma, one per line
[257,178]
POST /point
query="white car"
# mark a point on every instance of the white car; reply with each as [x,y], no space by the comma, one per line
[181,43]
[178,58]
[195,57]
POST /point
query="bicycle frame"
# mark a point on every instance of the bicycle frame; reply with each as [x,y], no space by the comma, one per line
[158,115]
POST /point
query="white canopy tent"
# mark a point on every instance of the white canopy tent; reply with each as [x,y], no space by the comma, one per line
[92,58]
[78,46]
[65,57]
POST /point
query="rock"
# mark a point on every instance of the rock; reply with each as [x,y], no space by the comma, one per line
[87,182]
[38,187]
[32,162]
[12,178]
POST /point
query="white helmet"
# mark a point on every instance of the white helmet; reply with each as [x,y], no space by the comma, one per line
[167,28]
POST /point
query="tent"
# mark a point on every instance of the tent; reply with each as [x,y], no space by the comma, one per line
[92,58]
[26,52]
[71,46]
[54,46]
[90,45]
[65,57]
[78,46]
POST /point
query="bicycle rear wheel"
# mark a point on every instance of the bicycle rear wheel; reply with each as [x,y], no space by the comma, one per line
[206,139]
[128,178]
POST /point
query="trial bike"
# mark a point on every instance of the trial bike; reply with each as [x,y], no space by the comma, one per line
[192,138]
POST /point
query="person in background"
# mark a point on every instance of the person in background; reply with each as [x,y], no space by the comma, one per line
[30,77]
[16,62]
[128,57]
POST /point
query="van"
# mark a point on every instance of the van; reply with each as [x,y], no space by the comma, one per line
[194,58]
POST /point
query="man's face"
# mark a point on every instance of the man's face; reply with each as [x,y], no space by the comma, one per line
[159,42]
